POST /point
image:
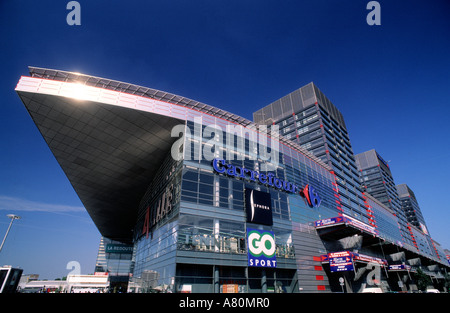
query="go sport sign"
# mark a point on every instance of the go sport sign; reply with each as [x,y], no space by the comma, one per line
[261,248]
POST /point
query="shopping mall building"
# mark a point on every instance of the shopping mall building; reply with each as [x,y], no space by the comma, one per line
[210,201]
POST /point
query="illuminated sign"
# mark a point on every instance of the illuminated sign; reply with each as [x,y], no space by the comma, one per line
[258,206]
[309,193]
[261,248]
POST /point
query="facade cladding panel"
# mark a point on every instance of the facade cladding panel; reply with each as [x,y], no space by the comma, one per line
[215,202]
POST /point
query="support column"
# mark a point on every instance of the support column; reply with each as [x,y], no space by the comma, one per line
[263,281]
[347,283]
[216,279]
[247,280]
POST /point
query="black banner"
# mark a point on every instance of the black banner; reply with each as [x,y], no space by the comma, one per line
[258,206]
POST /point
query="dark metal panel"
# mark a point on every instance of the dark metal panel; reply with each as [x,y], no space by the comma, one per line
[108,153]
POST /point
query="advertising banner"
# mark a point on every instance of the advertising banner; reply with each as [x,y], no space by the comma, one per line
[360,225]
[347,220]
[261,248]
[367,258]
[329,222]
[258,206]
[399,267]
[340,261]
[344,260]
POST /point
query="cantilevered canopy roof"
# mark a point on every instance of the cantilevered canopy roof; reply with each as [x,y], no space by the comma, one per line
[109,154]
[98,82]
[110,137]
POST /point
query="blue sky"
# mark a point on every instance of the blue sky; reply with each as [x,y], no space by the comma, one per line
[391,82]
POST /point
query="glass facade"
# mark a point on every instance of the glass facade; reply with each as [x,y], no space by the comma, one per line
[156,232]
[116,260]
[386,221]
[191,234]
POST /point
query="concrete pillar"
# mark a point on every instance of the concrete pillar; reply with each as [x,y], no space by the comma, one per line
[263,281]
[216,279]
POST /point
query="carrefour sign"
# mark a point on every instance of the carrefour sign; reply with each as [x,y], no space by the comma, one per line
[261,248]
[308,192]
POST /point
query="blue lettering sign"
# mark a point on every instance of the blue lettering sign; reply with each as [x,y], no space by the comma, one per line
[340,261]
[309,193]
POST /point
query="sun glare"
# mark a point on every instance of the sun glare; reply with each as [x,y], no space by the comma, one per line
[78,91]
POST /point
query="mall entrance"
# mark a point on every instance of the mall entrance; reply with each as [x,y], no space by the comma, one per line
[191,278]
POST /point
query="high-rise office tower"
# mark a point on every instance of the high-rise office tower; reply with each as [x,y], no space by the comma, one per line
[411,207]
[307,117]
[377,180]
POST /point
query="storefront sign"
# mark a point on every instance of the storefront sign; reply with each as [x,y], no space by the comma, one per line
[347,220]
[221,167]
[399,267]
[329,222]
[119,248]
[340,261]
[258,207]
[311,196]
[358,224]
[368,259]
[159,209]
[344,260]
[269,179]
[261,248]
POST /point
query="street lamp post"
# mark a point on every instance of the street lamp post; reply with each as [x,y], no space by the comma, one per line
[12,217]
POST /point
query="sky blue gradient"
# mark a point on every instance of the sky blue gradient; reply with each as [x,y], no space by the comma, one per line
[391,82]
